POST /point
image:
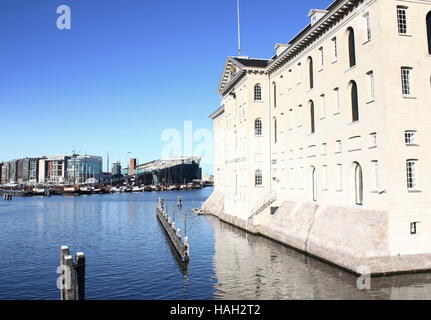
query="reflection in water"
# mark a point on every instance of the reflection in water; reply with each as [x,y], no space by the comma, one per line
[252,267]
[130,257]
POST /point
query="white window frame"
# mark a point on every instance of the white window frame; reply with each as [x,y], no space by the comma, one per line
[322,58]
[335,49]
[258,92]
[339,177]
[373,140]
[402,20]
[406,81]
[411,174]
[258,178]
[368,27]
[337,100]
[410,137]
[376,174]
[258,127]
[299,65]
[324,177]
[323,106]
[371,83]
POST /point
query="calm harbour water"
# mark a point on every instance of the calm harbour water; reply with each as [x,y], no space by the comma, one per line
[129,257]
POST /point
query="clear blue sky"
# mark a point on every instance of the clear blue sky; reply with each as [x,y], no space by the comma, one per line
[126,71]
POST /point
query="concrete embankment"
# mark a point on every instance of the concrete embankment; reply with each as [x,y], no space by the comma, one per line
[354,239]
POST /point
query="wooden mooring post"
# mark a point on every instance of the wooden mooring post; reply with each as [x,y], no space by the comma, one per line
[7,197]
[174,233]
[72,275]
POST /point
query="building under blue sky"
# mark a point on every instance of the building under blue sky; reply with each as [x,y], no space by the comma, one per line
[126,71]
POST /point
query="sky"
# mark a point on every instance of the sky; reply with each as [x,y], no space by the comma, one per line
[131,77]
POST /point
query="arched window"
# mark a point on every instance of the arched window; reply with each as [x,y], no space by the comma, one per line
[258,177]
[311,72]
[274,87]
[312,118]
[258,127]
[257,93]
[429,31]
[275,129]
[359,185]
[354,101]
[314,183]
[352,50]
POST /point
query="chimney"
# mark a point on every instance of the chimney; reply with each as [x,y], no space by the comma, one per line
[315,15]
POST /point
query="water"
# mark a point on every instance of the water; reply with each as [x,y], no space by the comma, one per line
[129,257]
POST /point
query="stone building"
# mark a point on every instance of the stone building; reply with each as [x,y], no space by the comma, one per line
[324,145]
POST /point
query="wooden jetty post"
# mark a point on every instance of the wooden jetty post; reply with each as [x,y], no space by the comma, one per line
[69,292]
[72,275]
[80,276]
[174,234]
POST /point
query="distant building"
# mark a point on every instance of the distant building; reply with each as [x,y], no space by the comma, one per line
[132,166]
[116,169]
[82,168]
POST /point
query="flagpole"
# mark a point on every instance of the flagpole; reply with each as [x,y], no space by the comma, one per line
[239,29]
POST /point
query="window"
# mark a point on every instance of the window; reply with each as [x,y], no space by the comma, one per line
[359,185]
[301,153]
[402,19]
[258,127]
[368,24]
[373,140]
[257,93]
[335,49]
[371,94]
[406,80]
[258,177]
[322,58]
[337,100]
[300,116]
[324,149]
[323,106]
[274,87]
[324,177]
[339,177]
[410,137]
[376,174]
[314,183]
[354,101]
[301,178]
[352,50]
[299,73]
[290,78]
[275,129]
[338,147]
[411,174]
[312,118]
[310,72]
[413,228]
[429,31]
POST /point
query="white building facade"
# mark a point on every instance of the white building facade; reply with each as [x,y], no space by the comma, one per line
[324,146]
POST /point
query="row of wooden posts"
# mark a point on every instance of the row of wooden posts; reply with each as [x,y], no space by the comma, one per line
[72,275]
[72,279]
[173,232]
[7,196]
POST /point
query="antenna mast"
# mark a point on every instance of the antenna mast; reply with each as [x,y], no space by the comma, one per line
[239,28]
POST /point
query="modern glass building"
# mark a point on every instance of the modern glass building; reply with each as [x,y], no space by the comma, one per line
[82,168]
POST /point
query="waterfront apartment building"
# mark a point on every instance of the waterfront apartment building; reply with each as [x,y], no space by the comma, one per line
[56,169]
[324,146]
